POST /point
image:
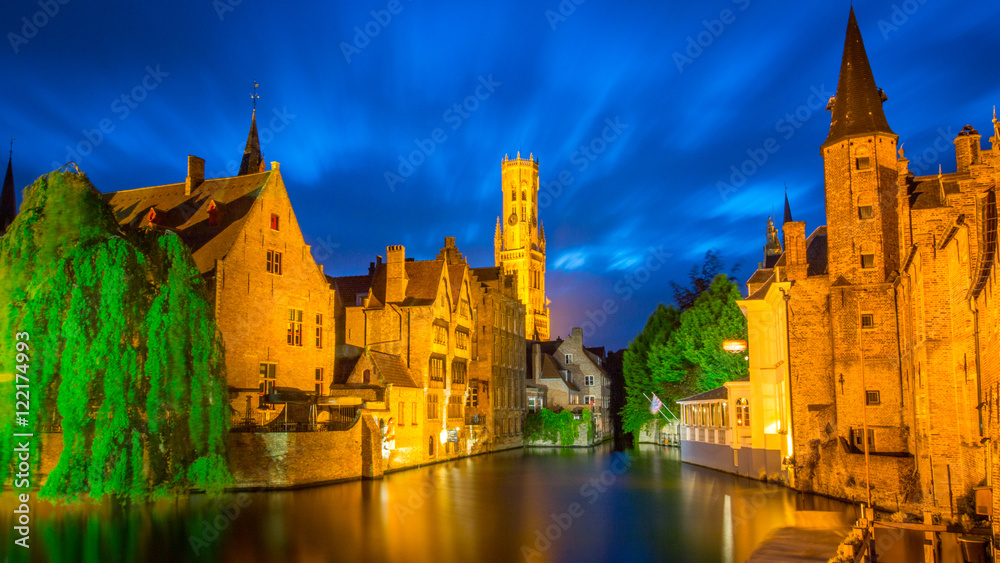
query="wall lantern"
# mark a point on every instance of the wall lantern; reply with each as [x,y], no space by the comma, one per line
[734,346]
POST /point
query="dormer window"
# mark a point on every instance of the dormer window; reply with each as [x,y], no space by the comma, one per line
[274,222]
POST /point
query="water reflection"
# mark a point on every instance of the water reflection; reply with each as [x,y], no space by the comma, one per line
[537,505]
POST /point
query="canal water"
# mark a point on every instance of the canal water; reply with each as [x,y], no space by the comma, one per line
[572,505]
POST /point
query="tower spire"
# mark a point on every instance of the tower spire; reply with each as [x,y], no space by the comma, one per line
[788,209]
[253,160]
[857,107]
[8,203]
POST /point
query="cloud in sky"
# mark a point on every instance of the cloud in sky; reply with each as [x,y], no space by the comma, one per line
[342,125]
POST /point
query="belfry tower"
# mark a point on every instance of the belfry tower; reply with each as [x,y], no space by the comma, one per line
[519,241]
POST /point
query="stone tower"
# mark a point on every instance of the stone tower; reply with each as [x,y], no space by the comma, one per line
[520,241]
[860,173]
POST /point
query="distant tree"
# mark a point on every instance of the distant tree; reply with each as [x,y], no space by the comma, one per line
[699,279]
[121,350]
[679,352]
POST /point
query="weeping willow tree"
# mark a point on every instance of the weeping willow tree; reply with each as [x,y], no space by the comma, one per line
[123,351]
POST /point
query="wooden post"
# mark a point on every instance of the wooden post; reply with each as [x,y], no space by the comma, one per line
[951,496]
[930,540]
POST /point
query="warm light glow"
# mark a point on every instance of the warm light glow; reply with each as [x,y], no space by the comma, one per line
[444,436]
[734,346]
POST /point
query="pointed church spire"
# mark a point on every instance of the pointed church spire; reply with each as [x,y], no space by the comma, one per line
[857,108]
[8,203]
[788,209]
[253,160]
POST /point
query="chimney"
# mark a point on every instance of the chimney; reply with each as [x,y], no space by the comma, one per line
[395,277]
[967,148]
[196,174]
[536,361]
[796,265]
[577,334]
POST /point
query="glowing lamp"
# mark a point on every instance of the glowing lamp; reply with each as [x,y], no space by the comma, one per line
[444,436]
[734,346]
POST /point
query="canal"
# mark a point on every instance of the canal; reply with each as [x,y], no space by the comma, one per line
[521,505]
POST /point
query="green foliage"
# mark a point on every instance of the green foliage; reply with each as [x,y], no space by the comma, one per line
[559,428]
[124,352]
[679,353]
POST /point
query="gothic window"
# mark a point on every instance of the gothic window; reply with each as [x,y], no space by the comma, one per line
[524,195]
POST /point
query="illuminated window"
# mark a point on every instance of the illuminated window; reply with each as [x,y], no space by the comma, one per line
[454,406]
[274,262]
[458,371]
[437,369]
[274,222]
[588,380]
[440,335]
[461,339]
[742,412]
[867,320]
[472,400]
[294,335]
[872,397]
[865,212]
[267,381]
[319,331]
[432,407]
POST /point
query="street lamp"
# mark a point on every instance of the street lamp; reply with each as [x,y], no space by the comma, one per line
[734,346]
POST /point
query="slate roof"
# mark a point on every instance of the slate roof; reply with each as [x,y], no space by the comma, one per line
[487,274]
[252,157]
[714,394]
[348,287]
[925,191]
[857,108]
[817,252]
[187,215]
[550,370]
[424,280]
[392,368]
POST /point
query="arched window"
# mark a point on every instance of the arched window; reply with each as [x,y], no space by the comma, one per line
[430,446]
[524,195]
[513,195]
[742,412]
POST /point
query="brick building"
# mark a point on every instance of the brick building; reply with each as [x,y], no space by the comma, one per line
[421,311]
[272,302]
[878,331]
[497,371]
[570,376]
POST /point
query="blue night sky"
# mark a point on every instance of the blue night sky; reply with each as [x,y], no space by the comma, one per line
[684,114]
